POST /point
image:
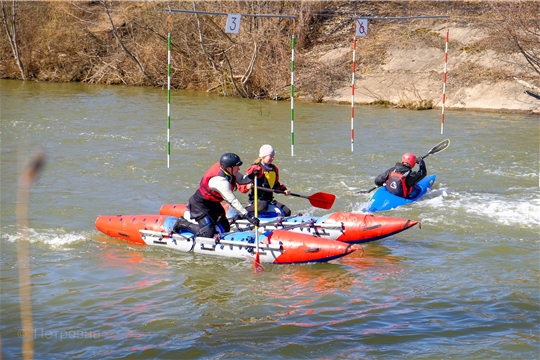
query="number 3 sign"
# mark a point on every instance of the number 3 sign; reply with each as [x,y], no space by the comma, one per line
[233,24]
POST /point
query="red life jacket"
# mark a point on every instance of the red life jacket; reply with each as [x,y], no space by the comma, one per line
[207,192]
[397,185]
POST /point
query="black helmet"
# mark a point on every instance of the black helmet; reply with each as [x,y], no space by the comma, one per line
[230,160]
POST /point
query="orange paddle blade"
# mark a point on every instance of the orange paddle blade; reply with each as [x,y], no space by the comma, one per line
[257,267]
[322,200]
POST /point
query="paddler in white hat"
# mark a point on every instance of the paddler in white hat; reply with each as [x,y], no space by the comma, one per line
[268,178]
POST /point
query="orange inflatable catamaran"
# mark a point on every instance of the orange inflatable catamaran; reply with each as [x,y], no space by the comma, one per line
[276,246]
[342,226]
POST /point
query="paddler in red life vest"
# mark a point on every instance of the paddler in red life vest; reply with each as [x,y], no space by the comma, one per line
[400,180]
[217,185]
[268,178]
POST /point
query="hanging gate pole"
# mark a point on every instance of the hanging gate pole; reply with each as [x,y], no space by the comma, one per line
[444,78]
[169,20]
[352,91]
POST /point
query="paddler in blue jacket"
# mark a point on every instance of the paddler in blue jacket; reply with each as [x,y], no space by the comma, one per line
[400,180]
[217,185]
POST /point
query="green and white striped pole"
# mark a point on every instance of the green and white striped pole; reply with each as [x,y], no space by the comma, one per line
[169,93]
[292,96]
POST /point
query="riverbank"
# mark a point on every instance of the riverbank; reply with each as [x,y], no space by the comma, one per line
[415,75]
[400,63]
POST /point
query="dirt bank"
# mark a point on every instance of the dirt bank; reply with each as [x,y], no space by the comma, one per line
[416,74]
[493,57]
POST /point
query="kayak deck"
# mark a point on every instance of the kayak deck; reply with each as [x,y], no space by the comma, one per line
[383,200]
[353,228]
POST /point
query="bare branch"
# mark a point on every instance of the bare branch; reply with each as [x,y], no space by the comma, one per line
[249,70]
[201,42]
[128,53]
[12,35]
[521,28]
[232,79]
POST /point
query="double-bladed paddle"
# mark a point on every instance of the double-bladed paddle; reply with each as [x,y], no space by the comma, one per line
[437,148]
[320,200]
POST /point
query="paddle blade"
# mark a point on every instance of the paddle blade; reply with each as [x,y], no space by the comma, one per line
[257,264]
[322,200]
[439,147]
[257,267]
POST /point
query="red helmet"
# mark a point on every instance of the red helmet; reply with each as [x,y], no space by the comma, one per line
[408,159]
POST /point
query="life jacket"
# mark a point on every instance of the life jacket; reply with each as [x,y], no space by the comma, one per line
[271,175]
[209,193]
[397,185]
[269,180]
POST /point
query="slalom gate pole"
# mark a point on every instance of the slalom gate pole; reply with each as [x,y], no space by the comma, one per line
[352,89]
[444,78]
[293,17]
[169,21]
[292,94]
[445,52]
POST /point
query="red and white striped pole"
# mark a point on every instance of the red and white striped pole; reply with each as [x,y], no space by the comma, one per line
[444,79]
[352,90]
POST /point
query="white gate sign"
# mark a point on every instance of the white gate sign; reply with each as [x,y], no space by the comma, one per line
[233,24]
[361,27]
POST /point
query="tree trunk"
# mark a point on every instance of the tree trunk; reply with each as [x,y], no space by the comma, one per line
[11,31]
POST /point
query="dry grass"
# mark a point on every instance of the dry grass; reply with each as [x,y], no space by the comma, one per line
[74,41]
[416,104]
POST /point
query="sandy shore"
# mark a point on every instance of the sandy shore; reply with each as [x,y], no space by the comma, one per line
[507,96]
[414,74]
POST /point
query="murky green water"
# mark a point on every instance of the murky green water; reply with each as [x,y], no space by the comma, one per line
[466,285]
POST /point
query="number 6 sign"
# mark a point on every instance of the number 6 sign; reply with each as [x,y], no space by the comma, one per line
[361,27]
[233,24]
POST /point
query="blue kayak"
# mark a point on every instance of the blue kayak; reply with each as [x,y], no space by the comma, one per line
[383,200]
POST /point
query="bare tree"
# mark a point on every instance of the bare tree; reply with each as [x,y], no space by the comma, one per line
[128,53]
[10,23]
[521,25]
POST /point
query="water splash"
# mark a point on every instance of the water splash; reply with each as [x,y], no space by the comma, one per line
[54,237]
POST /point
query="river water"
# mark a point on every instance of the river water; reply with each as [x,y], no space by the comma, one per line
[465,285]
